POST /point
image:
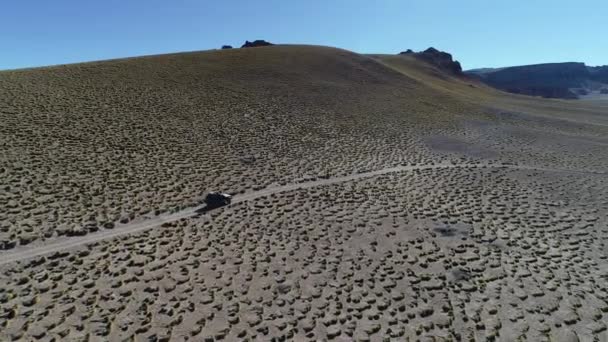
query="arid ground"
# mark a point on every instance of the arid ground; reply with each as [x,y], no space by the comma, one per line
[375,198]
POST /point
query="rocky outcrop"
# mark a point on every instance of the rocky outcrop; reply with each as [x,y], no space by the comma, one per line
[256,43]
[225,47]
[440,59]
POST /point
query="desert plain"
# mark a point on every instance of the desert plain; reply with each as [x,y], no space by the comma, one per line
[376,198]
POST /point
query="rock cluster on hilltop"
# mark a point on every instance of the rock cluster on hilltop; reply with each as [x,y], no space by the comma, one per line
[440,59]
[225,47]
[256,43]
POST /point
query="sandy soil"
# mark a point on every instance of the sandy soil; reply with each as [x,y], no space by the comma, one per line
[343,227]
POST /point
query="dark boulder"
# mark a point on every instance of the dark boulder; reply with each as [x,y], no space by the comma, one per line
[256,43]
[225,47]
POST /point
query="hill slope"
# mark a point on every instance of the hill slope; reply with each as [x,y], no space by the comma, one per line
[376,197]
[472,91]
[115,139]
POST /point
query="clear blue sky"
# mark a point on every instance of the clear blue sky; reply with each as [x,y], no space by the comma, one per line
[479,33]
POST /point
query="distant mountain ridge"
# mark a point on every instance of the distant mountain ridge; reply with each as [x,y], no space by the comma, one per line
[569,80]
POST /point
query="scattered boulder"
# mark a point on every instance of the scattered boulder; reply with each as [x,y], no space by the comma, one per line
[256,43]
[226,47]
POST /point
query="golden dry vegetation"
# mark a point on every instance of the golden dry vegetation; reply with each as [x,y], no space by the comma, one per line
[88,145]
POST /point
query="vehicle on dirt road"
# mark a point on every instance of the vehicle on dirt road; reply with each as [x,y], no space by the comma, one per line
[216,199]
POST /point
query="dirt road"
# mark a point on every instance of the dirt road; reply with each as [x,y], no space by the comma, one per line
[63,244]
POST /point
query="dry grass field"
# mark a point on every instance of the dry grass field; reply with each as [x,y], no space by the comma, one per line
[109,141]
[376,198]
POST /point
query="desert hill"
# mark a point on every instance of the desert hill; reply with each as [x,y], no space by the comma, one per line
[470,89]
[114,140]
[375,197]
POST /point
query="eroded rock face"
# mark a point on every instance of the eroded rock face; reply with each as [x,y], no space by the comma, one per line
[440,59]
[256,43]
[552,80]
[599,73]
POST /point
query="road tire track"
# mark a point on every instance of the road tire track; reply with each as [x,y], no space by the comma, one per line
[63,244]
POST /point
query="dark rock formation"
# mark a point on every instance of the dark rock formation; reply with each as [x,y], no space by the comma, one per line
[225,47]
[440,59]
[551,80]
[256,43]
